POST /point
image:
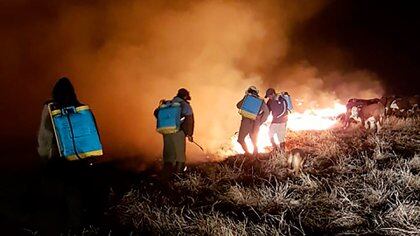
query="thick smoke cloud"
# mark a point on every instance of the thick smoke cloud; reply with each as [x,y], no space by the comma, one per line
[124,56]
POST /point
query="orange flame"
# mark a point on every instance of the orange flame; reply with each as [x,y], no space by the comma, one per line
[311,119]
[316,119]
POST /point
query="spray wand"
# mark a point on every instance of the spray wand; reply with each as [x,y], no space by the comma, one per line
[198,145]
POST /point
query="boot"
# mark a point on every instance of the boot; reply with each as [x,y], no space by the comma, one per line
[245,148]
[282,147]
[255,148]
[274,145]
[168,171]
[255,151]
[180,166]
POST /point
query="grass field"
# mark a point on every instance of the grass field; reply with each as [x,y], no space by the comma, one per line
[353,182]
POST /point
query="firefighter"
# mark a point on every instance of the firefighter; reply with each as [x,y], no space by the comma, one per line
[61,176]
[277,105]
[249,126]
[63,95]
[174,144]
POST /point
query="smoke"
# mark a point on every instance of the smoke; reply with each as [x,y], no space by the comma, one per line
[314,89]
[124,56]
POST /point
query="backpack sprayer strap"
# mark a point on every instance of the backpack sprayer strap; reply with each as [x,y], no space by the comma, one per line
[53,125]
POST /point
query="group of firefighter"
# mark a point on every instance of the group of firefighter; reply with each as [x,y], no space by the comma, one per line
[255,112]
[68,129]
[68,138]
[175,121]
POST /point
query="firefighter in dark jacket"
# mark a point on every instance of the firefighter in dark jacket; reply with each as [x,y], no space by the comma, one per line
[251,127]
[277,105]
[174,145]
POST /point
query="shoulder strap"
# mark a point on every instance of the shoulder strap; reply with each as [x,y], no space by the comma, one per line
[284,103]
[50,107]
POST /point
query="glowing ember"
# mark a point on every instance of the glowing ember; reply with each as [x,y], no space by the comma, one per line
[311,119]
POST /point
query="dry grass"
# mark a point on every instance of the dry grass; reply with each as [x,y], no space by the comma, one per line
[352,183]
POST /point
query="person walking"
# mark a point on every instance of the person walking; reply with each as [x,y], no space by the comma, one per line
[251,125]
[277,105]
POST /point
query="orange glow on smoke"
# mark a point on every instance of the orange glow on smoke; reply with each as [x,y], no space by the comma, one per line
[310,119]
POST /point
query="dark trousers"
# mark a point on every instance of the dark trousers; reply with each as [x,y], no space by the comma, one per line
[174,147]
[63,183]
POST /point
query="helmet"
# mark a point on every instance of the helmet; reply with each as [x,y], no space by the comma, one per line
[252,90]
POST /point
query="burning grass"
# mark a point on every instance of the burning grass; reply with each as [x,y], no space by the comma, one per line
[352,183]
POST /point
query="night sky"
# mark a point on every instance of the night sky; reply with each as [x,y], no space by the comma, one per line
[381,36]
